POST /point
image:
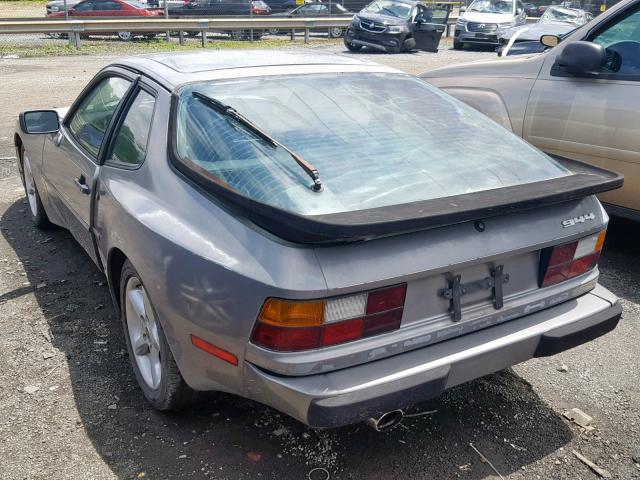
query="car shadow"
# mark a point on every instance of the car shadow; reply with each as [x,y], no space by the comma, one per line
[230,437]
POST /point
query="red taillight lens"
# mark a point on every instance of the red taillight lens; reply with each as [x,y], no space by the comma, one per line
[289,326]
[569,260]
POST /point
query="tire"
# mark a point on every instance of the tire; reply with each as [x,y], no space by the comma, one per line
[274,31]
[125,36]
[336,32]
[153,364]
[351,46]
[36,209]
[458,45]
[241,35]
[192,33]
[149,36]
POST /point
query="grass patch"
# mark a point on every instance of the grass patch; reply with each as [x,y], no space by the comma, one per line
[106,46]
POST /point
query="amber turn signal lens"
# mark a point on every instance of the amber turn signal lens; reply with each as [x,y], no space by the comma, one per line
[292,314]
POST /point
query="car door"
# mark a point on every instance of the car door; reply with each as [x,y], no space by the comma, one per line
[124,155]
[71,157]
[595,119]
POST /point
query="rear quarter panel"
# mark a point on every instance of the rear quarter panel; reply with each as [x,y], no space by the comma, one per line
[206,273]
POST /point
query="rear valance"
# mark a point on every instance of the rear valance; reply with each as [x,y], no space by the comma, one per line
[361,225]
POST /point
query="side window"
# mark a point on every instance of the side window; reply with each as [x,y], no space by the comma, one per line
[89,123]
[130,144]
[84,7]
[622,43]
[108,6]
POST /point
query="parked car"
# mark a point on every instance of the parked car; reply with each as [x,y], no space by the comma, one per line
[210,8]
[479,24]
[579,99]
[217,7]
[111,8]
[530,9]
[394,26]
[340,240]
[555,21]
[58,6]
[279,6]
[315,9]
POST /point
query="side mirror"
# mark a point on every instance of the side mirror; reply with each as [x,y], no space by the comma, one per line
[40,121]
[581,58]
[549,40]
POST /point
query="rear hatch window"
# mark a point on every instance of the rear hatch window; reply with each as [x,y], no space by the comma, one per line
[377,140]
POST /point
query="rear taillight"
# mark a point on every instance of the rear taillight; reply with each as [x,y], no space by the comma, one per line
[569,260]
[289,326]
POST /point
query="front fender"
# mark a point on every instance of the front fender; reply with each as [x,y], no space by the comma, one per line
[485,101]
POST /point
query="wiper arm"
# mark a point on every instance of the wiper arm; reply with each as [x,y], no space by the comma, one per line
[391,12]
[231,112]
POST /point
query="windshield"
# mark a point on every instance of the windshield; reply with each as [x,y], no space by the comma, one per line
[376,139]
[562,15]
[389,7]
[492,6]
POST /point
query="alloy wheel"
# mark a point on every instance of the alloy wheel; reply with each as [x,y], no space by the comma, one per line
[143,333]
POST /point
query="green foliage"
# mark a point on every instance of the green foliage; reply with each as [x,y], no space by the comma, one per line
[95,46]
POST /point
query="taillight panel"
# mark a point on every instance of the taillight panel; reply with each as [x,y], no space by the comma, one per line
[289,326]
[562,262]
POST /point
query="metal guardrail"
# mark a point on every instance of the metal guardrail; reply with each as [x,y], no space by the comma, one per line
[172,24]
[75,27]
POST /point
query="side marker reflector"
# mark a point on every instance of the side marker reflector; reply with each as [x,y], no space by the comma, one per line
[213,350]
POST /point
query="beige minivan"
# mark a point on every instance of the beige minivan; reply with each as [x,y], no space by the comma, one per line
[579,99]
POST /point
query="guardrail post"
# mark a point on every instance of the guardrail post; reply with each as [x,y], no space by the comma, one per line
[293,34]
[76,40]
[306,35]
[181,37]
[203,34]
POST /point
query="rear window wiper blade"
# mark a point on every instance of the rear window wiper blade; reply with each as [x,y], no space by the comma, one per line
[231,112]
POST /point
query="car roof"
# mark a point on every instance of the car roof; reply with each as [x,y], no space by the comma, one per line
[173,70]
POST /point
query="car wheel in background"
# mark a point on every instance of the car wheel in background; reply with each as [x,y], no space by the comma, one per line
[149,36]
[352,46]
[192,33]
[36,210]
[245,34]
[153,364]
[274,31]
[457,45]
[336,32]
[125,36]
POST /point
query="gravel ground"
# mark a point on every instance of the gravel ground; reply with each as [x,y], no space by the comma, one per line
[70,408]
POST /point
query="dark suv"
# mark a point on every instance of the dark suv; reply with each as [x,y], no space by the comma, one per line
[394,26]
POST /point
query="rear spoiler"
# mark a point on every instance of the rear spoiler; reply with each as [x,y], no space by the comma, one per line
[366,224]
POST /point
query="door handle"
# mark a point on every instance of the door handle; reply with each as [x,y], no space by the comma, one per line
[81,183]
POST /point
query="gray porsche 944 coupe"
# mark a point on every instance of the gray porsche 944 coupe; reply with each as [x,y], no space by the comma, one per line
[327,236]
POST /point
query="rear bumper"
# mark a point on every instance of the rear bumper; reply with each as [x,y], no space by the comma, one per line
[354,394]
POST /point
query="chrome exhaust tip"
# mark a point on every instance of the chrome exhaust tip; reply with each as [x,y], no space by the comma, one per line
[386,421]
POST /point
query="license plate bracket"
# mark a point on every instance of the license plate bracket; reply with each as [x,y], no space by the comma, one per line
[457,290]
